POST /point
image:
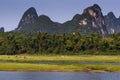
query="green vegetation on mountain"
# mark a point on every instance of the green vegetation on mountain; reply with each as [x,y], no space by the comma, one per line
[90,21]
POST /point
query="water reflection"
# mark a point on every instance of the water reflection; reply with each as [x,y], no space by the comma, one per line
[58,76]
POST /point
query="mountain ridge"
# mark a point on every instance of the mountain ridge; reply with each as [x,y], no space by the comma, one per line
[90,21]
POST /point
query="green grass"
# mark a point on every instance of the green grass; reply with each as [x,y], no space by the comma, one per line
[26,66]
[61,68]
[58,58]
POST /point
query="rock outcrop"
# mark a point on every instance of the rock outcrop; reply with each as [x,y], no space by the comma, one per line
[90,21]
[94,18]
[28,18]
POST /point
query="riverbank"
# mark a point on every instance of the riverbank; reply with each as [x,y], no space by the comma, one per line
[60,58]
[30,63]
[58,68]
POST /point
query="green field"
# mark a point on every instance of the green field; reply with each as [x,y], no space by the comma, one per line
[58,68]
[26,63]
[60,58]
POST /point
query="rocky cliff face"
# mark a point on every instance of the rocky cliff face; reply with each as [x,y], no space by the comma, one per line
[28,18]
[31,22]
[95,19]
[90,21]
[112,23]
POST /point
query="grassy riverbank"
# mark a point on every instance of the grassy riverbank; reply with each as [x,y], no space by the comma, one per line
[58,68]
[26,63]
[60,58]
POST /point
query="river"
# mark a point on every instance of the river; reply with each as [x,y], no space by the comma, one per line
[58,76]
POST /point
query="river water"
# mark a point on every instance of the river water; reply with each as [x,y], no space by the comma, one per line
[58,76]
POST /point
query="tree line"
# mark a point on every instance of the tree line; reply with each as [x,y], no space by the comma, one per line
[42,43]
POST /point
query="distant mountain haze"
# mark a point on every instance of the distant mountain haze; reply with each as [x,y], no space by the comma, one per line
[2,29]
[90,21]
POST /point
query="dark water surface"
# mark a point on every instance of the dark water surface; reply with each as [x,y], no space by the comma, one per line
[58,76]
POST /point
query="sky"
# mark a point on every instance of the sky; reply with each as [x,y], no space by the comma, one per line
[11,11]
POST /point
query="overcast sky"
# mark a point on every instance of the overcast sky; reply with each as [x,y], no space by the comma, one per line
[11,11]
